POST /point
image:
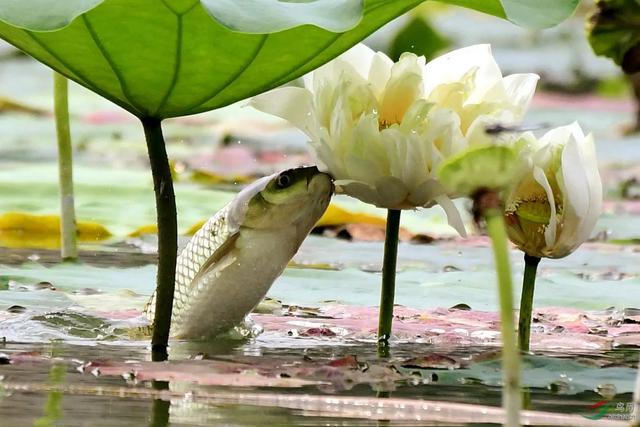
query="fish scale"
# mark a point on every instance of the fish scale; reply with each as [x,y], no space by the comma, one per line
[201,247]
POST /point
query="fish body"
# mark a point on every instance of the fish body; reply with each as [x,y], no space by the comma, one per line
[232,261]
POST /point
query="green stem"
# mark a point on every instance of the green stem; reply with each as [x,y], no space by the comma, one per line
[526,300]
[167,236]
[635,416]
[388,277]
[511,398]
[68,232]
[53,405]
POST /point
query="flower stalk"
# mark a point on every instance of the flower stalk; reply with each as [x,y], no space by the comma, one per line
[511,397]
[526,301]
[68,230]
[389,263]
[167,236]
[635,418]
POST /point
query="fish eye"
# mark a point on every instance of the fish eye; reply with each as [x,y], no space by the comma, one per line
[283,180]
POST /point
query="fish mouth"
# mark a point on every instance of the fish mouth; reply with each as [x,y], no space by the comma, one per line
[331,188]
[313,172]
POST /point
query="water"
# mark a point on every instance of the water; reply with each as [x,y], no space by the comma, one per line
[297,372]
[96,398]
[315,363]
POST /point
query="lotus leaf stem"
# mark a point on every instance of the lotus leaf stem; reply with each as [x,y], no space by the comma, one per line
[635,417]
[68,230]
[526,301]
[388,277]
[167,236]
[511,397]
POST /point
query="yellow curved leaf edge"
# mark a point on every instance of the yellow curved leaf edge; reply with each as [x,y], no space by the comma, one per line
[23,230]
[212,178]
[145,229]
[336,215]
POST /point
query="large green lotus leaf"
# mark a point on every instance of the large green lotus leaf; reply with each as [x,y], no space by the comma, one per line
[167,58]
[170,58]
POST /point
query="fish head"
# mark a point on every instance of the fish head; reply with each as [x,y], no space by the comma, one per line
[293,197]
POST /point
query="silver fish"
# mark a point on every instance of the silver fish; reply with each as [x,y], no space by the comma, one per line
[232,261]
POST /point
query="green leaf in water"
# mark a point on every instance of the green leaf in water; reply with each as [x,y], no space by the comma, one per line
[76,324]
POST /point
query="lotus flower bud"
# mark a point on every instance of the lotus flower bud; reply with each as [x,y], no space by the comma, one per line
[553,206]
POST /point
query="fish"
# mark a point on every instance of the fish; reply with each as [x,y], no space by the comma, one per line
[229,265]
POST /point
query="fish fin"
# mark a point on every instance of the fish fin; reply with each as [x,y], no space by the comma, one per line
[221,252]
[150,308]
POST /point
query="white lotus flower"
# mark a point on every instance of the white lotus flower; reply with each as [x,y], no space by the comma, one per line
[553,208]
[469,82]
[382,128]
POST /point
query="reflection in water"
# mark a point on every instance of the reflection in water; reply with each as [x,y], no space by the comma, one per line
[384,352]
[160,408]
[160,413]
[52,407]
